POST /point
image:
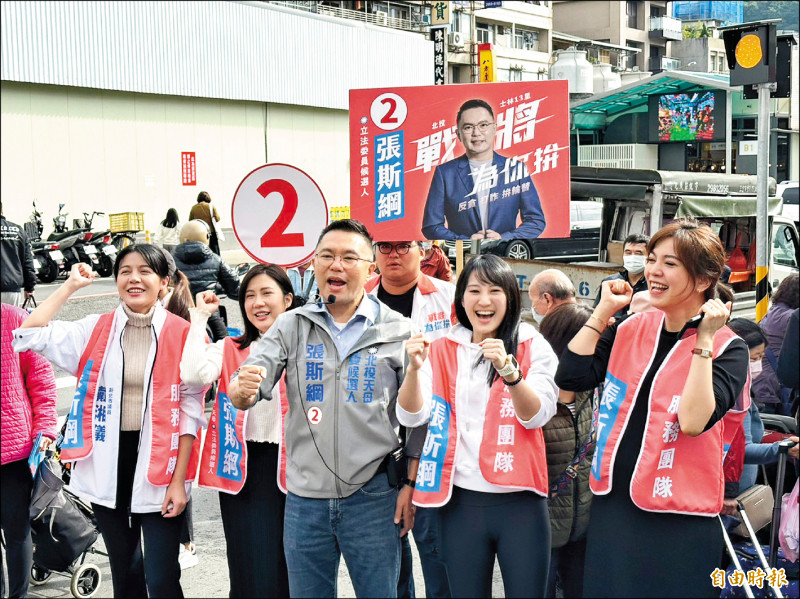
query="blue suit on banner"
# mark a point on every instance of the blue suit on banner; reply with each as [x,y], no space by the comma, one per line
[449,201]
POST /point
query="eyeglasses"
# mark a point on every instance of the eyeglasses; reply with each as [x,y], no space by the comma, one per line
[401,248]
[481,127]
[326,259]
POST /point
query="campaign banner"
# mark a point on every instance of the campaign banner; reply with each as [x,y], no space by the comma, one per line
[500,170]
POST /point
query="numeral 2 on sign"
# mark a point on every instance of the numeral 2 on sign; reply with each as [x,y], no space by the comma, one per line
[275,235]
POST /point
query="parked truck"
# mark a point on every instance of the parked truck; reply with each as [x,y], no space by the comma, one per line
[642,201]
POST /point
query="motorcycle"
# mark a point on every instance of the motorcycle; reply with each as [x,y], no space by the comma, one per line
[101,246]
[47,256]
[72,243]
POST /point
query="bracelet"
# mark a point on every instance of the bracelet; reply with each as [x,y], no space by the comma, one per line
[517,382]
[703,353]
[410,483]
[588,326]
[603,323]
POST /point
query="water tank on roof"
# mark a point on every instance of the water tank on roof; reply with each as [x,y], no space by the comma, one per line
[604,78]
[572,65]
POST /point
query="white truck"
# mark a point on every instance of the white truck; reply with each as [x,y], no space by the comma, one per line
[642,201]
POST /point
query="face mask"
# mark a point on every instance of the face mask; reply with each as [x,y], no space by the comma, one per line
[755,369]
[633,264]
[536,316]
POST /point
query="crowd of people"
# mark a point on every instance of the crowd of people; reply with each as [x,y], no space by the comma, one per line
[358,408]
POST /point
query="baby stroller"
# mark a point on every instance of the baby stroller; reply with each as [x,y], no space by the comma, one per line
[63,531]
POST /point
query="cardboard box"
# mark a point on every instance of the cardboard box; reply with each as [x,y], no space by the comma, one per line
[615,252]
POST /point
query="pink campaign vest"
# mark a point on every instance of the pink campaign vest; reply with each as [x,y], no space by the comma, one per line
[674,473]
[164,404]
[223,465]
[510,455]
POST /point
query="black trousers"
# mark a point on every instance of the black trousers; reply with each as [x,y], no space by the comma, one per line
[152,571]
[15,490]
[514,527]
[253,524]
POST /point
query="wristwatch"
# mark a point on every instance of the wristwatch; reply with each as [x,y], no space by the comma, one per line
[703,352]
[410,483]
[510,367]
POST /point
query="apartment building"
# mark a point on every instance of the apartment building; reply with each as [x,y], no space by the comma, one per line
[640,24]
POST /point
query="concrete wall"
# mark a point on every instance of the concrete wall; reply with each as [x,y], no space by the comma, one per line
[120,152]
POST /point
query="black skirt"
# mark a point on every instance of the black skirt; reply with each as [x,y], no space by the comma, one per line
[634,553]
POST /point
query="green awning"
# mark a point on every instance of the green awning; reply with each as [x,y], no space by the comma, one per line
[716,206]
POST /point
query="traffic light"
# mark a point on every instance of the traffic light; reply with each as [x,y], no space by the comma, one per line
[751,50]
[783,70]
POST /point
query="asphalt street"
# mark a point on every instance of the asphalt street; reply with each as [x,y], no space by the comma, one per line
[210,577]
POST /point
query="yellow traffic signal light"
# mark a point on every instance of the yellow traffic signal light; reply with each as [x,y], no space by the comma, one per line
[751,50]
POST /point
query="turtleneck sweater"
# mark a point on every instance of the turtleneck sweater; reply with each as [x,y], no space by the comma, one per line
[136,340]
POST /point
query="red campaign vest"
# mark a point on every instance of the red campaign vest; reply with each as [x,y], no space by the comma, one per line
[675,472]
[517,460]
[165,398]
[226,432]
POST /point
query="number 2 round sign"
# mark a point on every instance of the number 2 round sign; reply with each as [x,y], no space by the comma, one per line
[278,212]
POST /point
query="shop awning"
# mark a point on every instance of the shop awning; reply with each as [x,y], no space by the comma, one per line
[720,207]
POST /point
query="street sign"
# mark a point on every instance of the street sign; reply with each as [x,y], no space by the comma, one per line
[278,212]
[748,148]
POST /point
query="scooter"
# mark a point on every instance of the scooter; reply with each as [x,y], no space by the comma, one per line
[47,256]
[98,246]
[71,242]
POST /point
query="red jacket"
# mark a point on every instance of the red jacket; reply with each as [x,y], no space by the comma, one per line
[28,398]
[438,265]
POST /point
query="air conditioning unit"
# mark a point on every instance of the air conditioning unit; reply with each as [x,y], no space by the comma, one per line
[380,17]
[456,39]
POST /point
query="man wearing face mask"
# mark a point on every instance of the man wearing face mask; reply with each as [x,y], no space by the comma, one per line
[634,256]
[549,289]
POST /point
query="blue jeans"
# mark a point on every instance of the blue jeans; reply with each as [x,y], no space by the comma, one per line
[360,527]
[426,537]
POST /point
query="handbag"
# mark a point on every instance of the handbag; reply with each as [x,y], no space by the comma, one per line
[758,502]
[29,305]
[215,225]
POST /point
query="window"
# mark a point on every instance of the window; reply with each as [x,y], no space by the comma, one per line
[632,8]
[722,66]
[514,74]
[483,33]
[525,39]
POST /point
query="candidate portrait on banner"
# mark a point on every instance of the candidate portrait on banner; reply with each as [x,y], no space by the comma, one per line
[481,194]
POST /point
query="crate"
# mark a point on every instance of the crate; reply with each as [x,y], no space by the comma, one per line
[126,221]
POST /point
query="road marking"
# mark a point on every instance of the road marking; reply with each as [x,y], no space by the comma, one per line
[65,381]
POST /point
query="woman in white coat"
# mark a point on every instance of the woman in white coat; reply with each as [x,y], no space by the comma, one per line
[133,421]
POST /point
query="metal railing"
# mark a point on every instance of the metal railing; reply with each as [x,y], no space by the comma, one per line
[375,18]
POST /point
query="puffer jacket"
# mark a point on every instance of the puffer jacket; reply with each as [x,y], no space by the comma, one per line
[204,269]
[564,436]
[28,405]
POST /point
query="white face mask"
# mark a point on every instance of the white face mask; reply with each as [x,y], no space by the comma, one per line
[536,316]
[633,264]
[755,369]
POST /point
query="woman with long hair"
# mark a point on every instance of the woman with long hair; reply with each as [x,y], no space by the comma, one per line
[133,420]
[485,390]
[241,456]
[671,374]
[169,230]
